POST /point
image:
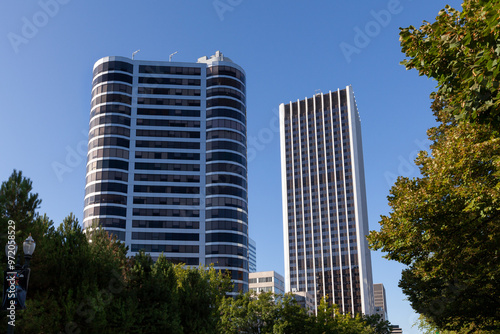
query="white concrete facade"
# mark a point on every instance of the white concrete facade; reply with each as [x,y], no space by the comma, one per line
[167,169]
[324,201]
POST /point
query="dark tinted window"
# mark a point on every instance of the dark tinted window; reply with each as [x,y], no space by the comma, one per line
[225,70]
[106,211]
[168,91]
[113,77]
[110,119]
[168,133]
[166,189]
[169,70]
[110,108]
[108,98]
[112,87]
[168,112]
[165,236]
[226,190]
[226,156]
[168,144]
[225,178]
[167,166]
[222,102]
[166,248]
[226,167]
[114,66]
[106,186]
[166,224]
[169,81]
[226,237]
[221,81]
[231,113]
[109,141]
[180,123]
[226,213]
[226,225]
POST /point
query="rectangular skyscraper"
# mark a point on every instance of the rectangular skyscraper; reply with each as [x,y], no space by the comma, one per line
[166,169]
[324,201]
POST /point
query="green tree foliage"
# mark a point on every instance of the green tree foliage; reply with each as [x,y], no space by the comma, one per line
[293,318]
[161,297]
[73,281]
[280,314]
[82,281]
[265,313]
[201,291]
[18,203]
[91,287]
[425,326]
[330,320]
[149,302]
[379,325]
[445,226]
[461,50]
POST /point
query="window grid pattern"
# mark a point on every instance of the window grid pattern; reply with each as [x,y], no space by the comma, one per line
[167,176]
[167,160]
[322,232]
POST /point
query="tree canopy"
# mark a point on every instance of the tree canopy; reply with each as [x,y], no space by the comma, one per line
[445,224]
[83,282]
[281,314]
[461,50]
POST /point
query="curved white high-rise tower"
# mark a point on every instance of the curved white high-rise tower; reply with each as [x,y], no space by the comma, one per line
[166,169]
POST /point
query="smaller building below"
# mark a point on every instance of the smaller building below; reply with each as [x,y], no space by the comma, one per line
[305,300]
[396,330]
[266,281]
[380,300]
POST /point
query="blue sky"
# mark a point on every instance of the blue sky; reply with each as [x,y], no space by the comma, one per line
[289,50]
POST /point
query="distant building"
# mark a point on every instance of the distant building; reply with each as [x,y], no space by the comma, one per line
[396,330]
[380,300]
[252,255]
[266,281]
[324,201]
[305,300]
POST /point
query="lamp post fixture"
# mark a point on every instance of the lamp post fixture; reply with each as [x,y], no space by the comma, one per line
[16,280]
[28,247]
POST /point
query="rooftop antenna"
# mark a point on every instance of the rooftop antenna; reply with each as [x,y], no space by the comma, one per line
[170,57]
[133,54]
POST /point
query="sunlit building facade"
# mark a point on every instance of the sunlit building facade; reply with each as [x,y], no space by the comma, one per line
[166,168]
[266,281]
[324,201]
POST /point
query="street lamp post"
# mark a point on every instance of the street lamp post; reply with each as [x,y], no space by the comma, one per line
[16,280]
[28,247]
